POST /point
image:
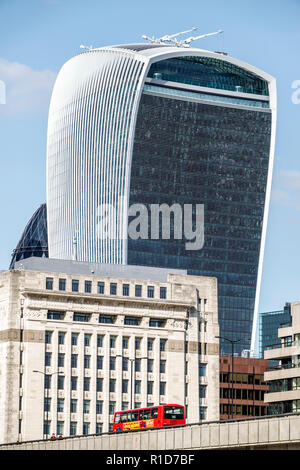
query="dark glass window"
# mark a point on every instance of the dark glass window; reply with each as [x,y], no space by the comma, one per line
[74,339]
[162,344]
[62,284]
[163,292]
[49,283]
[100,341]
[126,289]
[88,286]
[75,285]
[134,321]
[106,319]
[87,339]
[150,291]
[81,317]
[99,362]
[157,323]
[100,287]
[52,315]
[138,290]
[113,288]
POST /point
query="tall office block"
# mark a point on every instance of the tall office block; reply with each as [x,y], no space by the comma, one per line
[156,124]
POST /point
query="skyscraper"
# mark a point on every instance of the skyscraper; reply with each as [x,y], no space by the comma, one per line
[156,124]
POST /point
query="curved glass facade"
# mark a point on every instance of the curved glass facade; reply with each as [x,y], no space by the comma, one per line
[121,133]
[34,239]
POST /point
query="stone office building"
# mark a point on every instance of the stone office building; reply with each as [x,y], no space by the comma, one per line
[79,341]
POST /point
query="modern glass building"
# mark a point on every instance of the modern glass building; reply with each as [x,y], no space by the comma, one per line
[269,323]
[34,239]
[157,124]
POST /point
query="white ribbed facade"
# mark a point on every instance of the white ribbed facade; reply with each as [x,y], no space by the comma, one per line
[91,122]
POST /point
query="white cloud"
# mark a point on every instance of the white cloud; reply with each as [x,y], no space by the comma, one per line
[28,91]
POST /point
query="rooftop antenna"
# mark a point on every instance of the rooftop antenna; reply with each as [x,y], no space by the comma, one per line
[89,48]
[74,257]
[187,42]
[166,37]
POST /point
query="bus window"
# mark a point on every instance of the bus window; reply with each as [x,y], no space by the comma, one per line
[135,415]
[117,417]
[124,417]
[141,414]
[173,412]
[147,413]
[129,415]
[154,412]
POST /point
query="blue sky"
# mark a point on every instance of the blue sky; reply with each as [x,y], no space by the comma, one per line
[38,36]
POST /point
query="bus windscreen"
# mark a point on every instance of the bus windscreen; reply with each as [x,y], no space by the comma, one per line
[173,412]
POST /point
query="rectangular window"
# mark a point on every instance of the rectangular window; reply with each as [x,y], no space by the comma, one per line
[162,344]
[86,428]
[126,289]
[87,361]
[112,341]
[202,412]
[74,358]
[60,428]
[47,404]
[48,357]
[60,405]
[113,288]
[99,384]
[49,283]
[156,323]
[112,407]
[62,284]
[48,337]
[124,363]
[73,428]
[150,344]
[133,321]
[81,317]
[202,391]
[52,315]
[150,365]
[74,339]
[162,367]
[112,363]
[99,428]
[137,364]
[61,337]
[162,388]
[100,287]
[61,360]
[150,292]
[163,292]
[202,370]
[100,341]
[47,425]
[150,388]
[87,339]
[137,386]
[138,290]
[75,285]
[73,405]
[125,342]
[73,383]
[99,407]
[86,384]
[106,319]
[88,287]
[124,386]
[112,385]
[60,382]
[86,406]
[138,343]
[99,362]
[47,381]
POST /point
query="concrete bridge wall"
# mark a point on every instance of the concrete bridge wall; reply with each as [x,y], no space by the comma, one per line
[281,432]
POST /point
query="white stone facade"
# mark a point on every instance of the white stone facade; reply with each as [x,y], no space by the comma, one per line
[167,372]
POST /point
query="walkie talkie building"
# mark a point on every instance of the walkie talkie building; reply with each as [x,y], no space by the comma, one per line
[158,124]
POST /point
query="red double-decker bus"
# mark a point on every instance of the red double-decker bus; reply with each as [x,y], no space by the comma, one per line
[152,417]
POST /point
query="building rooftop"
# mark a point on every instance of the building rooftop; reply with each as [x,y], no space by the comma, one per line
[114,270]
